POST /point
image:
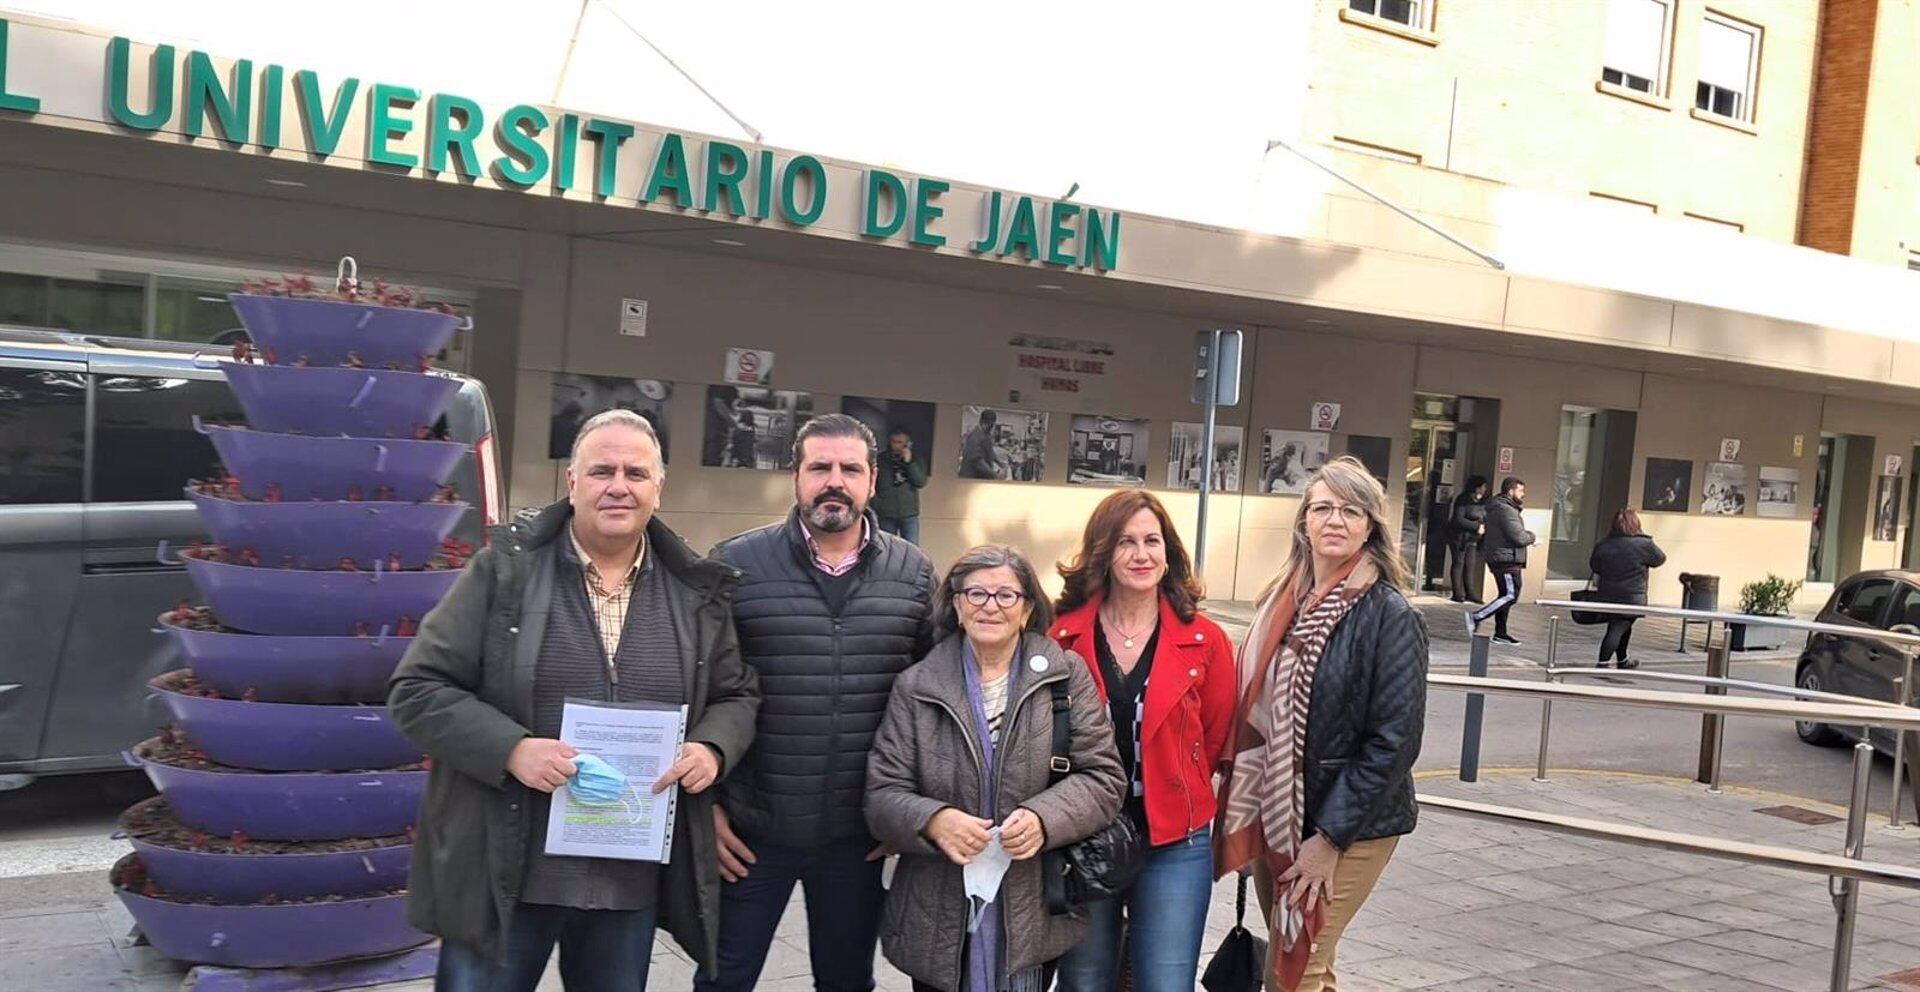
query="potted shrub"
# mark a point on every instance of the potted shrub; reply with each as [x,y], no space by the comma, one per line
[1769,597]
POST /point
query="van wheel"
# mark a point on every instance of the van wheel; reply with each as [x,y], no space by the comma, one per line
[1817,734]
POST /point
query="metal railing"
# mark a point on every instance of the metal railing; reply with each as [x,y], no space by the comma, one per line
[1844,872]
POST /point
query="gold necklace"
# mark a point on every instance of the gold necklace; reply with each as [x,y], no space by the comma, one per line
[1126,638]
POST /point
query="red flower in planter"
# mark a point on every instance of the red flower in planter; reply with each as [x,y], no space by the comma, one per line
[273,492]
[354,495]
[393,561]
[349,565]
[268,355]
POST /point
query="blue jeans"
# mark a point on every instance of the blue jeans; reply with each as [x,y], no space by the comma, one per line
[600,951]
[1166,914]
[907,528]
[843,897]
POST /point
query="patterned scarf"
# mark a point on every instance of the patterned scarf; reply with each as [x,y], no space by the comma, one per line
[1263,798]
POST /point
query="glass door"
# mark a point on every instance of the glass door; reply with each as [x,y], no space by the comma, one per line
[1429,487]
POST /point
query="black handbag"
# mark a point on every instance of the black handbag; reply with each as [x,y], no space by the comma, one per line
[1101,866]
[1589,595]
[1239,963]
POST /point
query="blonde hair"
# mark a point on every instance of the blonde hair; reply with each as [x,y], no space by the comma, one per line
[1350,482]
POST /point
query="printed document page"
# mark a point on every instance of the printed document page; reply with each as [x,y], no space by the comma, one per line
[641,740]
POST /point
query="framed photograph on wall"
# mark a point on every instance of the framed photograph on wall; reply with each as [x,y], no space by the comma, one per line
[1003,444]
[1779,491]
[1107,451]
[1724,491]
[1376,453]
[1668,487]
[577,398]
[1886,508]
[1287,458]
[1184,461]
[752,427]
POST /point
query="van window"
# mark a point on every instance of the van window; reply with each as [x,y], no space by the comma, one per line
[1906,609]
[1863,601]
[43,433]
[144,444]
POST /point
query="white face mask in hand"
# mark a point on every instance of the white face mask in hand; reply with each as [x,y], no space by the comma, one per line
[982,876]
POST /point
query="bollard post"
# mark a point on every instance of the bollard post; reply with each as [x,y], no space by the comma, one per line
[1476,705]
[1713,725]
[1846,895]
[1546,705]
[1902,695]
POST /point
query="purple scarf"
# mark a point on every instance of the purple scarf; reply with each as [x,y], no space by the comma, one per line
[983,946]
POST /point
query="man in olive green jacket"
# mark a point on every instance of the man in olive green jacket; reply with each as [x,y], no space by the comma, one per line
[466,693]
[897,485]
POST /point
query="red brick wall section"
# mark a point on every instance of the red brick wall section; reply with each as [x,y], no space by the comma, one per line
[1837,124]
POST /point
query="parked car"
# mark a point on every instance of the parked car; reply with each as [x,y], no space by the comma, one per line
[97,442]
[1884,600]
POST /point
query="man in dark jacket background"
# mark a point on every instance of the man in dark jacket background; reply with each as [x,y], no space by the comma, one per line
[592,597]
[1504,548]
[1464,526]
[897,485]
[830,610]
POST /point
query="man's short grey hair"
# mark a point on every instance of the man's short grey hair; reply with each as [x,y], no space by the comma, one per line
[619,417]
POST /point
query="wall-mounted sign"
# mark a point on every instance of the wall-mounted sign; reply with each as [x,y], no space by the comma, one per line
[1729,449]
[1504,464]
[1065,368]
[1799,444]
[747,367]
[254,106]
[633,318]
[1324,417]
[1893,465]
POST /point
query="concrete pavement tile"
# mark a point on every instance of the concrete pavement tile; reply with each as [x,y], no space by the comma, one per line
[1632,870]
[53,930]
[1522,888]
[1455,865]
[1765,945]
[1871,960]
[1571,978]
[1809,975]
[1488,983]
[1352,950]
[38,895]
[1653,897]
[1411,906]
[1540,916]
[1637,967]
[1604,937]
[1404,872]
[1728,916]
[1602,907]
[1671,924]
[1458,895]
[1409,938]
[1704,956]
[1478,959]
[1404,972]
[82,968]
[1556,948]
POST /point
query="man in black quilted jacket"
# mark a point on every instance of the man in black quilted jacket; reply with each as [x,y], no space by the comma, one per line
[829,610]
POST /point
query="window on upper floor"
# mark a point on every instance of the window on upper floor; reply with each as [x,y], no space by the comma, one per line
[1416,14]
[1639,36]
[1729,67]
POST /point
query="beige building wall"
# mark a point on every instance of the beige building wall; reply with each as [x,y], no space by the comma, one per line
[1509,92]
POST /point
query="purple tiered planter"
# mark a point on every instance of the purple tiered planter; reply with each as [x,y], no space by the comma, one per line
[287,805]
[248,877]
[285,935]
[291,669]
[359,402]
[330,468]
[319,534]
[285,737]
[324,332]
[291,601]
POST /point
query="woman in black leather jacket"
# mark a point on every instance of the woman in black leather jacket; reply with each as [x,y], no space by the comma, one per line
[1319,783]
[1464,527]
[1620,561]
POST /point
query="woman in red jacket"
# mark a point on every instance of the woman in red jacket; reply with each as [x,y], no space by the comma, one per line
[1131,610]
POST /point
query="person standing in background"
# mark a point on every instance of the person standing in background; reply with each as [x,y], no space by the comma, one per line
[896,490]
[1464,526]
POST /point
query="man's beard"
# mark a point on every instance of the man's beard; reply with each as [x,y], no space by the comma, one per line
[830,516]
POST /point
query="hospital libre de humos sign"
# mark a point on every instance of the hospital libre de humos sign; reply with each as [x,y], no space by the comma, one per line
[238,105]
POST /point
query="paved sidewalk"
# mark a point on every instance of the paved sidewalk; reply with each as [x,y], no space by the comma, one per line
[1466,905]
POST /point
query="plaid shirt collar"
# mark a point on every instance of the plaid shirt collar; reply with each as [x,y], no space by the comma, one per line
[597,583]
[844,565]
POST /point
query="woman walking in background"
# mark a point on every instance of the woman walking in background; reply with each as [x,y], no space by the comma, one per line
[1319,784]
[1464,526]
[1166,674]
[1620,561]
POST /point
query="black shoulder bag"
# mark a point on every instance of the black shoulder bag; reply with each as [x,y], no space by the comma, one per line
[1101,866]
[1240,963]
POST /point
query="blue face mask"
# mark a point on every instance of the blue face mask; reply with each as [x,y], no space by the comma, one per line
[596,783]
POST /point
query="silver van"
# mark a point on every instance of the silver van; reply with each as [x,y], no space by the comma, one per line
[97,441]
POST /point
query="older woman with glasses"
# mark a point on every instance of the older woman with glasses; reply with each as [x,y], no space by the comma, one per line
[1132,609]
[961,772]
[1319,783]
